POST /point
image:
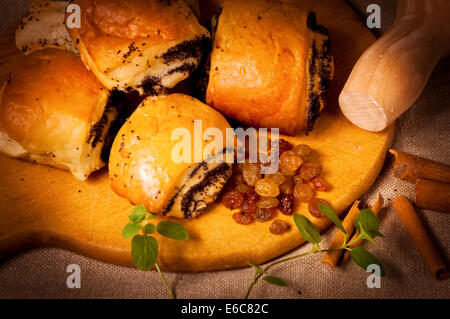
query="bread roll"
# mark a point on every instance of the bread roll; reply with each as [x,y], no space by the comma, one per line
[270,65]
[147,45]
[53,111]
[142,166]
[44,27]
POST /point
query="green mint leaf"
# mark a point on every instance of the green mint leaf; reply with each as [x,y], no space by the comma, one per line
[144,251]
[363,258]
[275,281]
[367,220]
[130,230]
[149,229]
[329,212]
[365,235]
[258,269]
[152,216]
[138,214]
[375,233]
[172,230]
[307,229]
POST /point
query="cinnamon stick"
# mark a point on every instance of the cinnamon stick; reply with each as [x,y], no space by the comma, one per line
[376,209]
[416,230]
[332,257]
[409,167]
[432,195]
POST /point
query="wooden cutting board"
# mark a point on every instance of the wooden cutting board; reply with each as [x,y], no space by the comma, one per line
[43,206]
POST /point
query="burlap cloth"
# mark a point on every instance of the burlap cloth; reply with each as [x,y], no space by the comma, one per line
[423,130]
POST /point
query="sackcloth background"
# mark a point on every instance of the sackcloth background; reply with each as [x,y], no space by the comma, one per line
[423,130]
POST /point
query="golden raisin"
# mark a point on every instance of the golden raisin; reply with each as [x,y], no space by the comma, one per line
[267,202]
[302,150]
[242,188]
[289,162]
[313,207]
[242,218]
[232,199]
[278,178]
[320,184]
[258,196]
[287,186]
[303,192]
[297,179]
[251,174]
[279,227]
[251,167]
[264,214]
[287,173]
[310,170]
[267,188]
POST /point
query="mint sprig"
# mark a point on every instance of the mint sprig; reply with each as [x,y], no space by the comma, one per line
[134,226]
[144,251]
[149,229]
[258,269]
[366,223]
[144,247]
[138,214]
[329,212]
[172,230]
[130,230]
[363,258]
[307,229]
[275,281]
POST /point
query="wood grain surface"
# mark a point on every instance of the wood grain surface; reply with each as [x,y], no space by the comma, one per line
[43,206]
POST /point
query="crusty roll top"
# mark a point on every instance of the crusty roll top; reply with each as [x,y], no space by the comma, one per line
[142,44]
[269,61]
[143,164]
[49,81]
[44,27]
[57,111]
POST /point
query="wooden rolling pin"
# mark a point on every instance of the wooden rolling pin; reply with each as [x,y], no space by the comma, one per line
[392,73]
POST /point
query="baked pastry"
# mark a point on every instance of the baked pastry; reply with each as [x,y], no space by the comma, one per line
[44,27]
[146,45]
[143,165]
[53,111]
[270,65]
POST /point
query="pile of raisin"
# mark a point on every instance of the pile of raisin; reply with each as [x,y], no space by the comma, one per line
[258,196]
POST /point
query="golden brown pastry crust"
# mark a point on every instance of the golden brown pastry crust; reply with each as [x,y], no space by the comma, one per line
[134,43]
[50,107]
[270,65]
[44,27]
[141,167]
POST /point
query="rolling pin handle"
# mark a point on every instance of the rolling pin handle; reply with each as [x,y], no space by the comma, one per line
[392,73]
